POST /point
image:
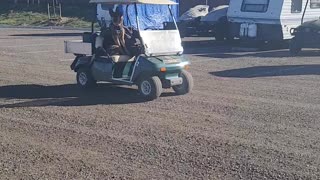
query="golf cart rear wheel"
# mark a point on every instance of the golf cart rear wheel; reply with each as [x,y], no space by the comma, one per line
[85,79]
[150,88]
[295,47]
[187,83]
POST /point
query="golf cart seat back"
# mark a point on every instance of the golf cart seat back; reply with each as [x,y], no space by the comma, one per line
[122,58]
[99,41]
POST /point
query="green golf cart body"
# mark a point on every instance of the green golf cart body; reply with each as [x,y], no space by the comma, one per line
[159,63]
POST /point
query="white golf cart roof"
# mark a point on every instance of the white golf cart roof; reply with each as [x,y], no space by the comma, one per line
[164,2]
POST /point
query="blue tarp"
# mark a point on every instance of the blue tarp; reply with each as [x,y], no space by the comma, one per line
[150,16]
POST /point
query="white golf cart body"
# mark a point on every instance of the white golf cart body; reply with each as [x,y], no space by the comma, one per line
[155,42]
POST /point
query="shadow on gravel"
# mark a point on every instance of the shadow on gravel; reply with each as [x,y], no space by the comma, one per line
[263,54]
[48,35]
[270,71]
[68,95]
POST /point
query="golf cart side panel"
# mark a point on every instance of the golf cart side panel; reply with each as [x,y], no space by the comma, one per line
[82,62]
[146,66]
[152,66]
[102,69]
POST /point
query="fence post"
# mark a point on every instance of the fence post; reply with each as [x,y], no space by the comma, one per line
[49,11]
[60,10]
[54,8]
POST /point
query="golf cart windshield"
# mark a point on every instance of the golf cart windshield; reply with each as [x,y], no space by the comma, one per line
[156,40]
[150,17]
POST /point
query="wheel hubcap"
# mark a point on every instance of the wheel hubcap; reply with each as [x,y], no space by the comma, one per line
[83,79]
[146,87]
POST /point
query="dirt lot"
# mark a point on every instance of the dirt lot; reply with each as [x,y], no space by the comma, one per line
[252,115]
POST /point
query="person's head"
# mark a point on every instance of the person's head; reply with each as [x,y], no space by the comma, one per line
[117,16]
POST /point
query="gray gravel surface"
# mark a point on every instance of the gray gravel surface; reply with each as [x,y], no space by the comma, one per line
[252,115]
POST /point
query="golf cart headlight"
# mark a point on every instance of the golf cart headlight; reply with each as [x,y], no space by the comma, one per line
[187,67]
[163,69]
[293,31]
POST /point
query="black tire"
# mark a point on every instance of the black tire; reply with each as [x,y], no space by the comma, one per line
[150,88]
[221,33]
[85,79]
[230,39]
[221,29]
[187,84]
[219,38]
[295,47]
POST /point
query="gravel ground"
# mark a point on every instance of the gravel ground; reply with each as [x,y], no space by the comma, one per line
[252,115]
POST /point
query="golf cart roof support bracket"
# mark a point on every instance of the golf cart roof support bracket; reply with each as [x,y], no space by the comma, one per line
[134,68]
[174,19]
[304,12]
[137,15]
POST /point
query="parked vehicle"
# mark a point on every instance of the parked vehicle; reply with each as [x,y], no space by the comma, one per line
[158,62]
[217,22]
[266,20]
[212,24]
[190,22]
[306,35]
[195,12]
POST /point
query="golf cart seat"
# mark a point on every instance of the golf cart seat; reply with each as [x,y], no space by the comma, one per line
[122,58]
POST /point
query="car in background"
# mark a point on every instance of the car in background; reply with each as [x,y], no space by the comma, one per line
[211,24]
[216,21]
[195,12]
[190,21]
[306,35]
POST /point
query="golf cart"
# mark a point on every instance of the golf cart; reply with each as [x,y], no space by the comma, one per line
[157,62]
[306,35]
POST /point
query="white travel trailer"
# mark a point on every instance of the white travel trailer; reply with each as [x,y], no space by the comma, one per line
[269,20]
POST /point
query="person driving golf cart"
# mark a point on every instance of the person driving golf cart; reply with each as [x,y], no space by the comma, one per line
[117,39]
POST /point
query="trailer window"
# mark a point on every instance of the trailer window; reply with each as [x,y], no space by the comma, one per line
[255,6]
[315,4]
[296,6]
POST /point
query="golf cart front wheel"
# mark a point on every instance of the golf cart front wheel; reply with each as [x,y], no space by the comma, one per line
[150,88]
[187,83]
[85,79]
